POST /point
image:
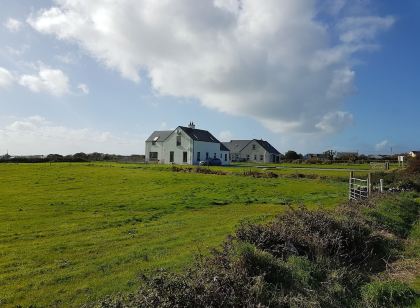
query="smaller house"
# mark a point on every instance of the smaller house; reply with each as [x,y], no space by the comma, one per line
[255,150]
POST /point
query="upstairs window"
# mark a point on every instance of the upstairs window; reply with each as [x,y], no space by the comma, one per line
[178,140]
[254,147]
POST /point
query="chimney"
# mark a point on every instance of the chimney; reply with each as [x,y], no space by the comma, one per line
[191,125]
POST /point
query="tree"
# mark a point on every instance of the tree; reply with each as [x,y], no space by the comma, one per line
[329,154]
[80,157]
[291,155]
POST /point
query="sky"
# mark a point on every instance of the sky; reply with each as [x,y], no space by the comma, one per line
[306,75]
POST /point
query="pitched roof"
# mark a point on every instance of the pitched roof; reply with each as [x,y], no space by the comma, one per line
[239,145]
[199,134]
[159,135]
[267,146]
[236,145]
[223,147]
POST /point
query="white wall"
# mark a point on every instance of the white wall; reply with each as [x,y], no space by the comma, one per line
[211,148]
[157,147]
[170,145]
[259,150]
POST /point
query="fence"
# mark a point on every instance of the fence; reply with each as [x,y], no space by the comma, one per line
[359,188]
[376,165]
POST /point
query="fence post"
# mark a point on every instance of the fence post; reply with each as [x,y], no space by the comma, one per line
[381,183]
[350,188]
[369,185]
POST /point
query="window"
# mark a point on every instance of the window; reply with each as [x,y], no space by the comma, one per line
[225,157]
[214,156]
[198,156]
[254,146]
[153,156]
[207,155]
[171,156]
[261,157]
[178,141]
[184,157]
[255,157]
[154,140]
[221,155]
[247,157]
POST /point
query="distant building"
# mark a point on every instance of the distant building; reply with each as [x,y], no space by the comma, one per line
[314,156]
[255,150]
[184,145]
[414,154]
[346,155]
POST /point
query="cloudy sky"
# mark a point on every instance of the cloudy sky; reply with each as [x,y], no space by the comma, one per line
[309,75]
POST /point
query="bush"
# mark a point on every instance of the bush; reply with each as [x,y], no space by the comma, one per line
[317,234]
[414,165]
[387,294]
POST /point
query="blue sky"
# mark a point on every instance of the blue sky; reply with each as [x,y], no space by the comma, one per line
[304,75]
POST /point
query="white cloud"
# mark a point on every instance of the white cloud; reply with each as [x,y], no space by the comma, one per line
[335,121]
[225,135]
[359,29]
[6,78]
[52,81]
[381,145]
[13,25]
[36,135]
[83,88]
[270,60]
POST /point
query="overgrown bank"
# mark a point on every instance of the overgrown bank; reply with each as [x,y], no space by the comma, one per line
[301,259]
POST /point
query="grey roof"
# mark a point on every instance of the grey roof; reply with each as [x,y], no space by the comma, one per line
[267,146]
[236,145]
[199,134]
[223,147]
[239,145]
[161,134]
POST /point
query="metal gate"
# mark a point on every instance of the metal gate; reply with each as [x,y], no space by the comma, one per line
[359,188]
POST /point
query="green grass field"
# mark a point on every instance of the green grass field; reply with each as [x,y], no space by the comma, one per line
[73,233]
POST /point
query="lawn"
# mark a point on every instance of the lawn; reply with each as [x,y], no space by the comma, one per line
[72,233]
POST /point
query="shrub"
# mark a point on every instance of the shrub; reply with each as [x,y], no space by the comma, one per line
[414,165]
[387,294]
[319,234]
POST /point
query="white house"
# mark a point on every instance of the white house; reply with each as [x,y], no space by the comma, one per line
[255,150]
[413,154]
[184,145]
